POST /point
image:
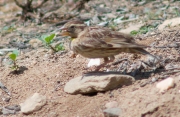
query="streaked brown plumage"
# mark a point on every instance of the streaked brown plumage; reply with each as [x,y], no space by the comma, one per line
[100,42]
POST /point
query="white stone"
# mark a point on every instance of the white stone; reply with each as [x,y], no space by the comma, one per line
[33,103]
[94,62]
[96,82]
[165,84]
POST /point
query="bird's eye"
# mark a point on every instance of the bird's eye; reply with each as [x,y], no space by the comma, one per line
[72,27]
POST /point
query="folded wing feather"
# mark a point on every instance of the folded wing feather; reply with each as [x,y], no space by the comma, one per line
[100,37]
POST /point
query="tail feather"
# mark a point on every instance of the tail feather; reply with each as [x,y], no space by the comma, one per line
[142,51]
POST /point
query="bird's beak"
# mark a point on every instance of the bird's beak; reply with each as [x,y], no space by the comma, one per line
[64,31]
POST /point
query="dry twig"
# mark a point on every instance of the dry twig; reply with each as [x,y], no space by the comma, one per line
[28,9]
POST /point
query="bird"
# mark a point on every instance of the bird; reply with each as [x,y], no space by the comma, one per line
[100,42]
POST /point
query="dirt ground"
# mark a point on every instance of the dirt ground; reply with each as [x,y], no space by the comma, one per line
[47,74]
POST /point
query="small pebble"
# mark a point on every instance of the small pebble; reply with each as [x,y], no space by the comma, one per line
[112,112]
[165,84]
[154,79]
[13,107]
[7,99]
[93,62]
[7,111]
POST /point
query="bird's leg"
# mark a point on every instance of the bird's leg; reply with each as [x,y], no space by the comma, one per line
[106,61]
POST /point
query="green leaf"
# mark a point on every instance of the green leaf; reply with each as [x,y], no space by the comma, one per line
[12,56]
[134,32]
[5,28]
[8,28]
[48,39]
[59,47]
[143,30]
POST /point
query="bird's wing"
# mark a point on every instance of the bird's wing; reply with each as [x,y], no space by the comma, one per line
[100,37]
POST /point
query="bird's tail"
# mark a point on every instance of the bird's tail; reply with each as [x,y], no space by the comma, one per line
[141,51]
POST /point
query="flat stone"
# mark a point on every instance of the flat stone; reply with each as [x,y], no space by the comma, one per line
[112,112]
[33,103]
[97,82]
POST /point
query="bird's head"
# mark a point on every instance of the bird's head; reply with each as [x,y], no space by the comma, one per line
[72,28]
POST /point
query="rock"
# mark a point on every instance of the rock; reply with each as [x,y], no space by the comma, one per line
[35,43]
[33,103]
[112,104]
[165,84]
[13,107]
[169,23]
[112,112]
[6,111]
[9,109]
[96,82]
[4,88]
[93,62]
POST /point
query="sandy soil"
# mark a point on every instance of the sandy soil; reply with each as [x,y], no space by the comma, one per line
[47,74]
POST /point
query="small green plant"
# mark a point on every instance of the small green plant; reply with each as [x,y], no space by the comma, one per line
[144,29]
[176,12]
[13,57]
[48,40]
[59,47]
[8,29]
[169,25]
